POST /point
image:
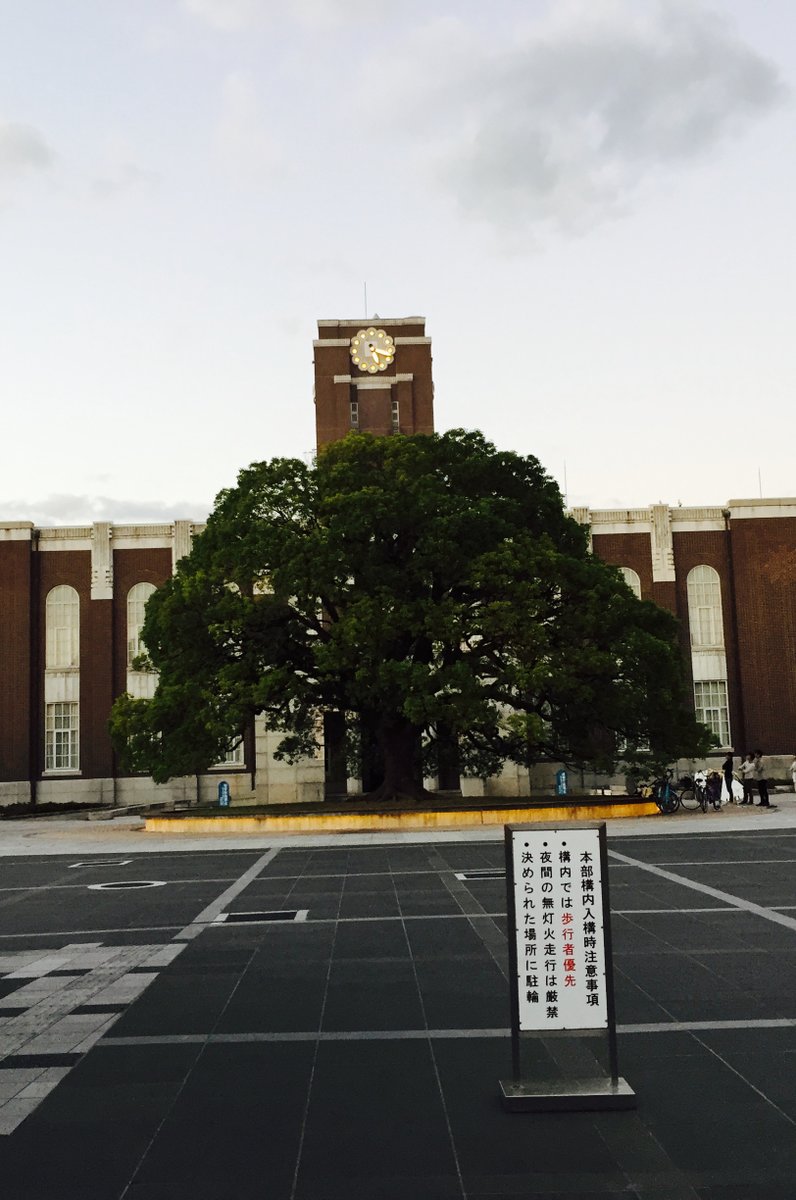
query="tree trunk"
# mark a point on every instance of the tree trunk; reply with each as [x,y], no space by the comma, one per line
[399,741]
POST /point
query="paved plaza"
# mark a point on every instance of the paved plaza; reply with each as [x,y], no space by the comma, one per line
[323,1019]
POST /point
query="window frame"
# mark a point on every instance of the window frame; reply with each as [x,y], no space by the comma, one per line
[62,628]
[54,755]
[715,702]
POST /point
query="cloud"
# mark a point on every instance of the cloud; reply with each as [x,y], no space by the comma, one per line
[63,509]
[234,16]
[124,178]
[22,148]
[568,121]
[229,15]
[242,135]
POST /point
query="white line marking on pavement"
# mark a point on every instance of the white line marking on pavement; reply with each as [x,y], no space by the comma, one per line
[768,914]
[208,915]
[392,1035]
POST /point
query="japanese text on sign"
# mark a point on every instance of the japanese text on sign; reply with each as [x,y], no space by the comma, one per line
[559,932]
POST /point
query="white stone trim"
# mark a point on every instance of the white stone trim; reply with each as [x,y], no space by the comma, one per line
[148,530]
[62,686]
[338,343]
[707,665]
[661,544]
[16,531]
[182,542]
[102,561]
[377,321]
[367,380]
[142,542]
[74,537]
[757,509]
[706,526]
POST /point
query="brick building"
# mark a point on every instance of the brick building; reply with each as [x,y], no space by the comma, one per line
[72,603]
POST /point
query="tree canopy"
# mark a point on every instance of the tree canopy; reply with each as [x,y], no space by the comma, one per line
[429,586]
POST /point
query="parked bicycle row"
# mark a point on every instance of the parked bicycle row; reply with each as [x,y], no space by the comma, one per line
[712,789]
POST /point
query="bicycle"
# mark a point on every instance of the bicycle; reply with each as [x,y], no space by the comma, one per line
[665,795]
[701,790]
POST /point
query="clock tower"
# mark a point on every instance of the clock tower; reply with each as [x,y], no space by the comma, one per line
[373,376]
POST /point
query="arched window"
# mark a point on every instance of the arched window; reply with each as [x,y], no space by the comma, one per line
[632,580]
[136,603]
[704,607]
[62,623]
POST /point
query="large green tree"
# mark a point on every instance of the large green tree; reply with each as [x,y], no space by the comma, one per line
[426,585]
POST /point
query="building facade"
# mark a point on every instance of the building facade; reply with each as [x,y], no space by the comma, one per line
[72,606]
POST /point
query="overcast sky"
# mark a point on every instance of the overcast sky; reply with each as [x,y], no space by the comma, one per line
[590,201]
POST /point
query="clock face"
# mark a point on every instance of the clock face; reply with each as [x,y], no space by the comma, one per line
[372,350]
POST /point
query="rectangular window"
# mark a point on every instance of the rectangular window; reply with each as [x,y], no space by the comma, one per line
[705,630]
[396,414]
[234,756]
[61,752]
[710,702]
[62,645]
[354,414]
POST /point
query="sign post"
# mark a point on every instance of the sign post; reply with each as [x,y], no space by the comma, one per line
[561,973]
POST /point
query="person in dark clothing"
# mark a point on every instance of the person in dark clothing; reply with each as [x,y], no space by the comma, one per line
[727,771]
[762,782]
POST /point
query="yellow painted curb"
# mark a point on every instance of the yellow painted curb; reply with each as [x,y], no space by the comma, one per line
[363,822]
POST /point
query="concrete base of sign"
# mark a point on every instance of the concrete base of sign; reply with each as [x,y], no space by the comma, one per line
[566,1095]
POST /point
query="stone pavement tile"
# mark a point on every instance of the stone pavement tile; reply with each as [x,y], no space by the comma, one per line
[14,1079]
[163,955]
[370,882]
[512,1154]
[40,966]
[438,940]
[689,990]
[368,904]
[427,904]
[371,939]
[756,931]
[762,1191]
[706,1118]
[87,1160]
[372,995]
[409,883]
[14,1112]
[634,1005]
[463,994]
[234,1130]
[267,893]
[25,995]
[299,941]
[178,1004]
[770,977]
[321,906]
[765,1063]
[281,998]
[40,1087]
[375,1122]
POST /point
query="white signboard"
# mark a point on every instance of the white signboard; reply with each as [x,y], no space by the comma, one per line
[558,904]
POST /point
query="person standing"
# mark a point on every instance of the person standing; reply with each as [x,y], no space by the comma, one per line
[793,772]
[727,771]
[762,782]
[748,778]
